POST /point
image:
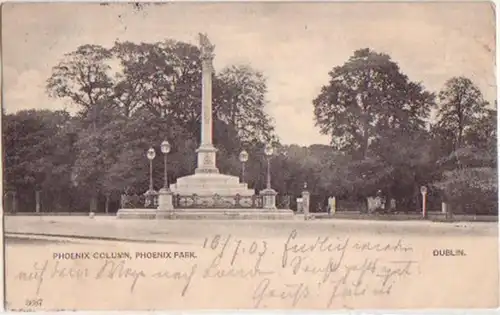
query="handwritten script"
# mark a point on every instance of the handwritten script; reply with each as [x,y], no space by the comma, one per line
[271,272]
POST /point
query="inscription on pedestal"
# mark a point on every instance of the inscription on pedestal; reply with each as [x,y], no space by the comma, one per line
[207,160]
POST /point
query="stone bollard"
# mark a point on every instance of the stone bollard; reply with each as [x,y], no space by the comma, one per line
[445,210]
[165,198]
[269,198]
[165,207]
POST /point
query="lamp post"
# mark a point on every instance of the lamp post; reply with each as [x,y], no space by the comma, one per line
[268,151]
[423,191]
[165,149]
[268,194]
[243,159]
[151,154]
[165,197]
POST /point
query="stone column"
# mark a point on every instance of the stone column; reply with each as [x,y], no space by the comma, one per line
[206,105]
[206,151]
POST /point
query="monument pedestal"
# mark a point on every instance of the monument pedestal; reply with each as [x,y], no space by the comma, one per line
[231,214]
[208,184]
[206,160]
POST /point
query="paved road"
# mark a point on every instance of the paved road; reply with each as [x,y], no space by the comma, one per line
[170,230]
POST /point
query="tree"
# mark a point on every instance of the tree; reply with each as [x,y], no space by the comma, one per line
[483,131]
[36,147]
[471,190]
[83,76]
[130,168]
[376,116]
[164,77]
[131,81]
[365,96]
[408,160]
[240,101]
[466,130]
[461,103]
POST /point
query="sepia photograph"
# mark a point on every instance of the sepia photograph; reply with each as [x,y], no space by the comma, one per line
[249,155]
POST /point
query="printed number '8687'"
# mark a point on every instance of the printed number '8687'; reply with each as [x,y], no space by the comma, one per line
[33,302]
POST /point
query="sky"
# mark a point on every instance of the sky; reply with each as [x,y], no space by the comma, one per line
[295,45]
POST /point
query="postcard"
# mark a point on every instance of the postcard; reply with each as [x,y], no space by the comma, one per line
[249,155]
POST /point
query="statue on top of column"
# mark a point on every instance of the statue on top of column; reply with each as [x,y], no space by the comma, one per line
[207,49]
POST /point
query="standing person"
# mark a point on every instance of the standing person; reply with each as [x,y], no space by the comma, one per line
[379,205]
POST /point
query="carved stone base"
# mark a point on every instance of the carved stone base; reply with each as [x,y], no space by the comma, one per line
[207,214]
[206,160]
[208,184]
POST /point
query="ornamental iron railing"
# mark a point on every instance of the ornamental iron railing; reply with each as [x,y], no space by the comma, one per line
[284,202]
[217,202]
[138,201]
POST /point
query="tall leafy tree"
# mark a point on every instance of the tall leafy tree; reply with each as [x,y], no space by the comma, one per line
[130,169]
[364,97]
[373,112]
[83,77]
[164,77]
[36,152]
[466,129]
[483,132]
[461,104]
[240,101]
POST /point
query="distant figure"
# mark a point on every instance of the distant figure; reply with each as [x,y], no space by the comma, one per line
[393,204]
[376,204]
[379,200]
[124,200]
[300,208]
[332,205]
